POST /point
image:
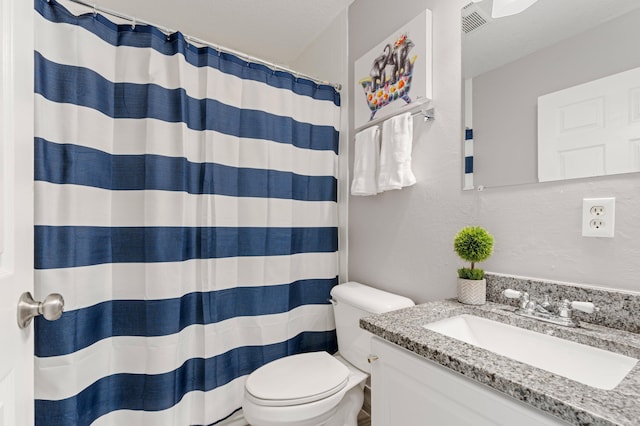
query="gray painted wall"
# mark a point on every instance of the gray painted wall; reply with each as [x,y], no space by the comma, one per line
[401,241]
[505,100]
[327,58]
[538,231]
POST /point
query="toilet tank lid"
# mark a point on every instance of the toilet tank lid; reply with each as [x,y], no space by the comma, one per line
[369,299]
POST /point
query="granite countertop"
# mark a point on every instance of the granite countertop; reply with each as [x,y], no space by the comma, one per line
[564,398]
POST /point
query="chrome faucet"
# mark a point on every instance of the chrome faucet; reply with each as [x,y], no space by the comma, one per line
[561,314]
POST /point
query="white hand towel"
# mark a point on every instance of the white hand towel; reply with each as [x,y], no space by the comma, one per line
[365,165]
[395,153]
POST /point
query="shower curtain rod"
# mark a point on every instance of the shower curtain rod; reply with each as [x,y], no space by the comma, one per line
[219,48]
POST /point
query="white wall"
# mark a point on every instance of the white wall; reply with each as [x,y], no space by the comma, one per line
[326,58]
[402,240]
[538,229]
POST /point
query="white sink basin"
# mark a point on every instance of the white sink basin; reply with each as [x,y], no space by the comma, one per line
[585,364]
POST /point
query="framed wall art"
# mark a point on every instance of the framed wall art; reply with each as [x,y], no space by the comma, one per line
[396,73]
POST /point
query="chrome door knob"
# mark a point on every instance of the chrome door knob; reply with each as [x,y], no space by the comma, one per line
[50,308]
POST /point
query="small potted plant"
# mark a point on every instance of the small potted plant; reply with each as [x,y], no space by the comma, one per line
[473,244]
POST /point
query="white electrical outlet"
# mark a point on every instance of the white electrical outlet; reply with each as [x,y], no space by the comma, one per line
[598,217]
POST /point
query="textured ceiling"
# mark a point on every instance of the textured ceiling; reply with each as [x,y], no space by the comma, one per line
[274,30]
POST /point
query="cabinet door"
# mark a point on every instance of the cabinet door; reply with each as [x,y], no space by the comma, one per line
[407,389]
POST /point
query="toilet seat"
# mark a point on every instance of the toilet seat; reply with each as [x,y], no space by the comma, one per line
[300,379]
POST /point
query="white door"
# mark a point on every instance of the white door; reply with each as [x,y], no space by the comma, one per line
[16,209]
[590,130]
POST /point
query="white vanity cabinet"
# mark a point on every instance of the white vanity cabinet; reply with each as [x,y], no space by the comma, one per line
[410,390]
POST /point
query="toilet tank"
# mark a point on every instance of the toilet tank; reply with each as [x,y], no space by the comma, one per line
[352,301]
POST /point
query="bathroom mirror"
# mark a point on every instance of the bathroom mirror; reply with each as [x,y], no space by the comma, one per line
[552,47]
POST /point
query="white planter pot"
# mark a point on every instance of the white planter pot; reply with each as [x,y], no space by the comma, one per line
[472,292]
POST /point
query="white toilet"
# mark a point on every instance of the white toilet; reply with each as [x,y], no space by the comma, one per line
[314,389]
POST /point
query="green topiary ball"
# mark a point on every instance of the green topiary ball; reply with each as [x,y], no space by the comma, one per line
[473,244]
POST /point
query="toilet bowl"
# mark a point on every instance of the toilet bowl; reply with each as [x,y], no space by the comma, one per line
[316,388]
[302,390]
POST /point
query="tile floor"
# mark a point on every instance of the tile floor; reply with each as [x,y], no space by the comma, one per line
[364,419]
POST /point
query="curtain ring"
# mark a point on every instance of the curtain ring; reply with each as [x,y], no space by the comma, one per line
[133,24]
[95,11]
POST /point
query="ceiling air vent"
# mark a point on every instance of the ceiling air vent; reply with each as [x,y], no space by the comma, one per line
[473,18]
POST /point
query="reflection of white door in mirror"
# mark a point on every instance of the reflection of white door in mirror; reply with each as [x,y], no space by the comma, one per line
[592,129]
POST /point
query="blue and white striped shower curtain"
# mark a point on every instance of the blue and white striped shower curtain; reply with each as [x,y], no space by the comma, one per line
[186,210]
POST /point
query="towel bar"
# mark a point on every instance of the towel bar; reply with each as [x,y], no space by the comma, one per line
[428,113]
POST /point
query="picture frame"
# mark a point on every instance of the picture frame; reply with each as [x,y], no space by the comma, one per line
[396,74]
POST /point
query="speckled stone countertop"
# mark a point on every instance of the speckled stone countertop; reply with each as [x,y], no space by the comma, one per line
[566,399]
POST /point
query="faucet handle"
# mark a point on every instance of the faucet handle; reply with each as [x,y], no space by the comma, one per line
[515,294]
[587,307]
[512,294]
[566,306]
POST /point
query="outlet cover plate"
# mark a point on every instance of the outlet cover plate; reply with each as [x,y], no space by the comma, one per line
[598,217]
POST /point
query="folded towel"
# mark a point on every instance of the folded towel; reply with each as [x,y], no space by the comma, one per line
[395,153]
[365,165]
